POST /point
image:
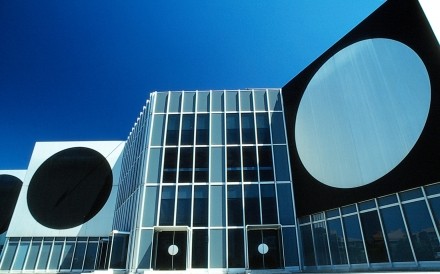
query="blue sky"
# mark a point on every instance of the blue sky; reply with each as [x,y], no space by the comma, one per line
[82,70]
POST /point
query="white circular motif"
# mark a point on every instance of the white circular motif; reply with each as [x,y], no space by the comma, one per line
[263,248]
[362,113]
[173,250]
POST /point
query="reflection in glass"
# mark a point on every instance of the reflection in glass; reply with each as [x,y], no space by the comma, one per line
[260,100]
[44,255]
[89,261]
[202,101]
[187,132]
[158,130]
[217,100]
[78,257]
[33,254]
[175,100]
[281,163]
[231,101]
[321,244]
[20,256]
[167,205]
[235,248]
[246,100]
[277,125]
[217,206]
[265,163]
[183,216]
[66,262]
[199,248]
[217,249]
[201,164]
[290,246]
[202,134]
[435,208]
[274,100]
[154,165]
[217,129]
[374,241]
[235,206]
[337,242]
[217,164]
[186,164]
[161,102]
[307,245]
[9,255]
[285,204]
[151,203]
[170,165]
[189,99]
[234,164]
[251,204]
[200,206]
[397,238]
[232,129]
[173,129]
[250,172]
[355,245]
[263,131]
[247,128]
[269,204]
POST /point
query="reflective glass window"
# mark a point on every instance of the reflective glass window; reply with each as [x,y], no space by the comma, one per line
[263,131]
[332,213]
[8,255]
[189,99]
[421,228]
[201,164]
[265,163]
[373,236]
[290,246]
[367,205]
[161,102]
[321,244]
[281,163]
[307,244]
[217,248]
[200,206]
[235,205]
[235,248]
[348,209]
[233,164]
[277,125]
[170,165]
[118,258]
[252,204]
[269,204]
[387,200]
[90,256]
[285,204]
[432,189]
[145,246]
[203,101]
[187,132]
[66,261]
[154,165]
[157,132]
[199,248]
[202,135]
[396,236]
[217,129]
[78,257]
[217,206]
[44,255]
[355,245]
[175,100]
[217,100]
[173,129]
[434,203]
[274,100]
[183,216]
[250,171]
[150,208]
[217,164]
[33,254]
[231,101]
[337,242]
[246,100]
[167,205]
[23,248]
[260,100]
[186,164]
[411,194]
[232,128]
[247,128]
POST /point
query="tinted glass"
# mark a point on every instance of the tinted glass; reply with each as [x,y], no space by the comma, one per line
[201,164]
[235,205]
[263,131]
[247,128]
[252,204]
[246,100]
[170,165]
[154,165]
[285,204]
[78,258]
[356,252]
[434,203]
[277,125]
[234,164]
[200,248]
[281,163]
[307,241]
[44,255]
[217,100]
[250,171]
[217,248]
[145,247]
[235,248]
[374,241]
[200,206]
[32,256]
[183,216]
[167,205]
[161,102]
[387,200]
[20,256]
[187,132]
[265,163]
[337,242]
[186,164]
[202,137]
[231,101]
[8,256]
[274,100]
[217,206]
[150,208]
[217,129]
[321,244]
[203,101]
[175,100]
[411,194]
[217,164]
[269,204]
[260,100]
[90,258]
[173,129]
[158,130]
[232,129]
[66,261]
[189,99]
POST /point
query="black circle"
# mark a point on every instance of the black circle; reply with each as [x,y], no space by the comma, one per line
[69,188]
[10,187]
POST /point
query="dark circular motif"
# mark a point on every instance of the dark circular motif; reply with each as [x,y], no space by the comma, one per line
[10,187]
[69,188]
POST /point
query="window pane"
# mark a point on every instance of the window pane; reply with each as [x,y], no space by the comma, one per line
[235,248]
[281,163]
[217,101]
[119,251]
[154,165]
[307,241]
[217,129]
[175,99]
[200,206]
[201,164]
[145,249]
[277,126]
[423,236]
[337,242]
[250,172]
[66,262]
[56,254]
[411,194]
[217,202]
[78,258]
[435,208]
[285,204]
[247,128]
[231,101]
[167,205]
[269,204]
[33,254]
[235,206]
[290,246]
[183,216]
[356,252]
[21,256]
[265,163]
[432,189]
[260,100]
[217,164]
[203,101]
[150,208]
[186,165]
[200,248]
[234,164]
[321,244]
[274,100]
[158,130]
[397,238]
[373,237]
[89,261]
[189,99]
[187,132]
[246,100]
[252,204]
[263,131]
[161,102]
[44,255]
[387,200]
[173,129]
[218,248]
[202,137]
[170,165]
[9,255]
[232,129]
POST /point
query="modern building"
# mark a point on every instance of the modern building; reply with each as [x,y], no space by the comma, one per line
[339,170]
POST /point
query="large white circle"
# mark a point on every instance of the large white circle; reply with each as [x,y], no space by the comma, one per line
[173,250]
[362,113]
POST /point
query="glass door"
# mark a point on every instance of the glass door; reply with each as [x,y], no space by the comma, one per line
[169,250]
[264,248]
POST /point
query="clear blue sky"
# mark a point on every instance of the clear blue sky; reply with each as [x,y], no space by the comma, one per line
[82,70]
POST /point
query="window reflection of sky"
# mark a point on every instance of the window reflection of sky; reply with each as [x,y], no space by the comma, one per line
[362,113]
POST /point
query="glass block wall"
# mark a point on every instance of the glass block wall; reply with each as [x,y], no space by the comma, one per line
[217,191]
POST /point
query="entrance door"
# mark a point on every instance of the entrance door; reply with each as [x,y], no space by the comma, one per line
[264,248]
[170,248]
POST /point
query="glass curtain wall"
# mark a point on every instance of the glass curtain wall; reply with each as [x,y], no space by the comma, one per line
[217,186]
